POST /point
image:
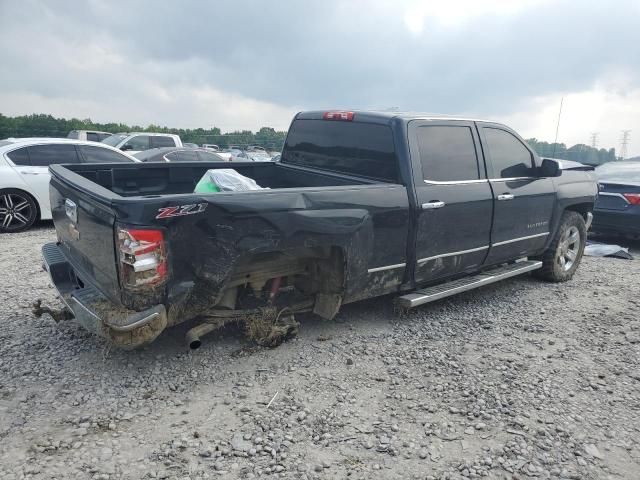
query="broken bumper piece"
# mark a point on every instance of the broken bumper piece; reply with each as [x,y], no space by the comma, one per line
[95,312]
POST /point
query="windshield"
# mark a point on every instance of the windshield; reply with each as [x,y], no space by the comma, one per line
[619,172]
[114,140]
[361,149]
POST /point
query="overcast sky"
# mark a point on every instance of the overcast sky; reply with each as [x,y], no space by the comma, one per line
[246,64]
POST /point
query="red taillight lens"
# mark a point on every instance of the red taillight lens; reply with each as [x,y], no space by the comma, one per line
[143,257]
[344,116]
[632,198]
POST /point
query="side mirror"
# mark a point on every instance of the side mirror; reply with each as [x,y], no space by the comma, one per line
[550,168]
[126,147]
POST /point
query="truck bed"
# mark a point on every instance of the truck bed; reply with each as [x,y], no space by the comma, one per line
[146,179]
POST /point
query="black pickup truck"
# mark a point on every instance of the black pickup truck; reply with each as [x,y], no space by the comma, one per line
[360,204]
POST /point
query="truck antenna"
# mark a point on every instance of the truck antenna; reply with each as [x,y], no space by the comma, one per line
[555,141]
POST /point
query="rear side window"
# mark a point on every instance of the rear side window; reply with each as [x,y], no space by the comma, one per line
[93,137]
[509,157]
[138,143]
[447,153]
[209,157]
[101,155]
[182,156]
[73,134]
[45,155]
[361,149]
[158,142]
[19,156]
[102,136]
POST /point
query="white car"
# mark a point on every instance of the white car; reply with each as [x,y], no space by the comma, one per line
[140,141]
[24,174]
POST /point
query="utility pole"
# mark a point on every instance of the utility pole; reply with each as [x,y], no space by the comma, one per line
[594,139]
[624,142]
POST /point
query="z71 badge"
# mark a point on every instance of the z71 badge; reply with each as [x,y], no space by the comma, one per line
[167,212]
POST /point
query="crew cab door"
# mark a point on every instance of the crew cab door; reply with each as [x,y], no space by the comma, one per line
[524,201]
[455,201]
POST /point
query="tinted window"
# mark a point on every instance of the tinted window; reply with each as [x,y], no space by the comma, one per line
[45,155]
[361,149]
[102,136]
[114,140]
[139,142]
[93,137]
[447,153]
[183,156]
[509,157]
[619,172]
[19,156]
[209,157]
[101,155]
[158,142]
[73,134]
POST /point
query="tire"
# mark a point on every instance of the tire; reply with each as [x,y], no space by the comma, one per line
[560,261]
[18,210]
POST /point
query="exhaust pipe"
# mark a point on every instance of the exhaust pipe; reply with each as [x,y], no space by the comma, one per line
[193,336]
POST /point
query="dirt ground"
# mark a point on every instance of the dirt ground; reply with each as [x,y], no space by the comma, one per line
[517,380]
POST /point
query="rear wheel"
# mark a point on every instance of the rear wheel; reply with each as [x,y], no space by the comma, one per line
[18,210]
[561,259]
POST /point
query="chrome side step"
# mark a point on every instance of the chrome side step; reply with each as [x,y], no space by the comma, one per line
[431,294]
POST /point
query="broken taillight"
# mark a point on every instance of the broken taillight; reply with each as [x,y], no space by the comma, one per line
[344,116]
[143,257]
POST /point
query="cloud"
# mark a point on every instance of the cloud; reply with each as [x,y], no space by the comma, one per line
[238,63]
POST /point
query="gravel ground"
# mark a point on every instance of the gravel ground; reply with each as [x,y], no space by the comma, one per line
[517,380]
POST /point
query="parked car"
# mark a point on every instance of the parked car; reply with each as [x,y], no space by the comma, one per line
[174,154]
[253,156]
[617,210]
[88,135]
[190,145]
[24,174]
[138,142]
[211,146]
[361,204]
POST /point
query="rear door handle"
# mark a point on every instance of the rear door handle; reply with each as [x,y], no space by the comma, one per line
[506,196]
[432,205]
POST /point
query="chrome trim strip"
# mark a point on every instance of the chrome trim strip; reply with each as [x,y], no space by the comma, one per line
[452,254]
[589,220]
[512,178]
[455,182]
[609,194]
[387,267]
[117,328]
[519,239]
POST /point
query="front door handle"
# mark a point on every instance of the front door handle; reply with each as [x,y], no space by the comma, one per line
[506,196]
[432,205]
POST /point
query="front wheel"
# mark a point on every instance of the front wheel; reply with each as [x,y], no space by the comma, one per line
[18,210]
[561,259]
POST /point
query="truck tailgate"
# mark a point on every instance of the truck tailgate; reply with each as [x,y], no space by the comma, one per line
[85,229]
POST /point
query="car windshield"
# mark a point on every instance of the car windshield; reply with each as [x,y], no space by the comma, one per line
[114,140]
[619,172]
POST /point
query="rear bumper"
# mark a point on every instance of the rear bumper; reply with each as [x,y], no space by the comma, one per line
[607,221]
[95,312]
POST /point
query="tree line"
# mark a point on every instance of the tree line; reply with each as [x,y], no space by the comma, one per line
[42,125]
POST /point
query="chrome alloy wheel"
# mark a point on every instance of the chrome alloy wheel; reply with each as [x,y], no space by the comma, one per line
[15,211]
[568,248]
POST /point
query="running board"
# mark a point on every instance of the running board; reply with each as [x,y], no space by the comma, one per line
[431,294]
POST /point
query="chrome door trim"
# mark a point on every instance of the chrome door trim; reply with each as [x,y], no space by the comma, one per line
[386,267]
[506,196]
[452,254]
[511,179]
[519,239]
[455,182]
